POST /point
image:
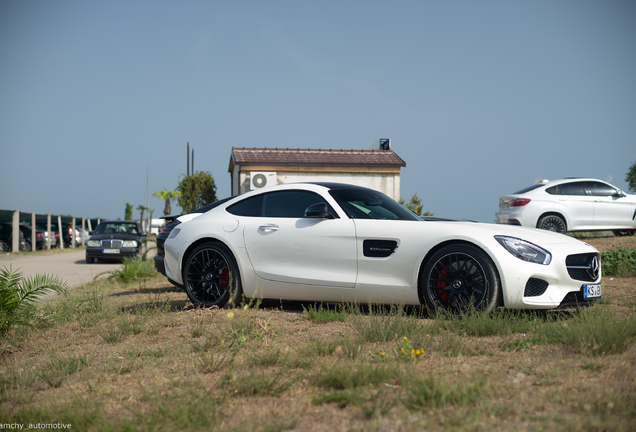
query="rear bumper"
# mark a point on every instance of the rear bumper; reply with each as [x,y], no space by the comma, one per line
[160,265]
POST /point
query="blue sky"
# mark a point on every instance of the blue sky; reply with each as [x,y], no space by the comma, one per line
[479,98]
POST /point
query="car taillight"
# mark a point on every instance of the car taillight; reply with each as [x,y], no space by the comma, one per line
[519,202]
[39,235]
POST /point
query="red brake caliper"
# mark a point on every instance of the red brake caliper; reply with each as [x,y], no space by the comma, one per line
[225,276]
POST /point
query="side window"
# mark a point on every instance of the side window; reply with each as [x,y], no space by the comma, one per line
[290,203]
[248,207]
[575,188]
[600,189]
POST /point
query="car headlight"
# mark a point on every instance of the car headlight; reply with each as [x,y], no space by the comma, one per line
[93,243]
[129,243]
[525,250]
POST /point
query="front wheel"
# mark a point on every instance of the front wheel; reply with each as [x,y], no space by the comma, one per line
[552,223]
[4,246]
[459,279]
[211,276]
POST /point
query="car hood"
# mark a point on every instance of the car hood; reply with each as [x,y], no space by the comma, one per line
[118,236]
[534,235]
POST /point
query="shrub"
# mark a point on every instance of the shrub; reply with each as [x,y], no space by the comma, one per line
[18,295]
[619,261]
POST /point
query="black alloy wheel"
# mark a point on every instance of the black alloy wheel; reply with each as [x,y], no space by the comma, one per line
[27,246]
[552,223]
[4,246]
[459,279]
[211,276]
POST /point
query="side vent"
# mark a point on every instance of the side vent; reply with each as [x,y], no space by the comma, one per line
[378,248]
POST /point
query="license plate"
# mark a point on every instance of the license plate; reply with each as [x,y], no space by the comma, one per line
[113,251]
[592,291]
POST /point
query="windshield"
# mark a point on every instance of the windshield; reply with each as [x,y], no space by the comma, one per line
[117,228]
[368,204]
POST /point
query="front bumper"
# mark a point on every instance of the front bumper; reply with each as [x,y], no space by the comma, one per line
[98,253]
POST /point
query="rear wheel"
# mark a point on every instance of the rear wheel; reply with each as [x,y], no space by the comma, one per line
[620,233]
[211,276]
[27,246]
[4,246]
[552,223]
[459,279]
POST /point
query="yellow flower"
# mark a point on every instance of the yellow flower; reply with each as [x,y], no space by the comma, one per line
[405,339]
[230,315]
[418,352]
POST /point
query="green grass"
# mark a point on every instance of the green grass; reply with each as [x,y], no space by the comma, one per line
[323,314]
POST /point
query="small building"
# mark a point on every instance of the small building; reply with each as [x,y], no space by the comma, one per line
[255,168]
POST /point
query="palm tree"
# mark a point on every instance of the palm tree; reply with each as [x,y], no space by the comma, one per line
[166,196]
[18,293]
[142,209]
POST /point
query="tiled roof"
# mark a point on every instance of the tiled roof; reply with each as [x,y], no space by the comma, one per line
[319,157]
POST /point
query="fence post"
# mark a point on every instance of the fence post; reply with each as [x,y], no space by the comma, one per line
[73,231]
[82,236]
[34,244]
[15,247]
[59,229]
[48,230]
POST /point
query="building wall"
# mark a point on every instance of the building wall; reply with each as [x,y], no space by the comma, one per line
[388,183]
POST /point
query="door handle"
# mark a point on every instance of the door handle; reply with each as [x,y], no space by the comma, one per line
[268,228]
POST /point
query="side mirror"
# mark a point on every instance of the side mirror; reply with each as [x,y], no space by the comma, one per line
[619,194]
[318,210]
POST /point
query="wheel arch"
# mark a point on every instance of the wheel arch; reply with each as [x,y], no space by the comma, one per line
[439,246]
[196,244]
[553,213]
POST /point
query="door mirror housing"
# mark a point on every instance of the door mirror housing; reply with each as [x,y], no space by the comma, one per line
[318,210]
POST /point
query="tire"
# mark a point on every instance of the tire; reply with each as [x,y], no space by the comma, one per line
[27,246]
[211,276]
[552,223]
[459,279]
[4,246]
[90,260]
[625,232]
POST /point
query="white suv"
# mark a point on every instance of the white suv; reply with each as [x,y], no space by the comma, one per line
[572,204]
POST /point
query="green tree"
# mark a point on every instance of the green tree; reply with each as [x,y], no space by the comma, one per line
[415,205]
[128,215]
[142,209]
[630,177]
[196,191]
[168,197]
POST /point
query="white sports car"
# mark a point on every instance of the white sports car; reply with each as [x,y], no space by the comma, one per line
[335,242]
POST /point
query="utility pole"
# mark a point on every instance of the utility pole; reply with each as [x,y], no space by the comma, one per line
[148,196]
[188,159]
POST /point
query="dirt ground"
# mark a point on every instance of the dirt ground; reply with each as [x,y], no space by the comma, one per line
[168,365]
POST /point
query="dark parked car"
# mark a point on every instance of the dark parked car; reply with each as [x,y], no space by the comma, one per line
[6,238]
[42,227]
[40,238]
[114,240]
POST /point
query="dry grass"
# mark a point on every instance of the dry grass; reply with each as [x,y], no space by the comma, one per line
[139,356]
